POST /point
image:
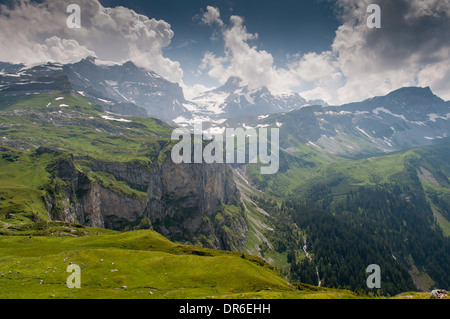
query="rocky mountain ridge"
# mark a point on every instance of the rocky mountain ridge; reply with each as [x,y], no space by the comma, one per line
[406,118]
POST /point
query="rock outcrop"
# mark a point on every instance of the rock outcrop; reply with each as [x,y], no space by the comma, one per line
[438,294]
[195,203]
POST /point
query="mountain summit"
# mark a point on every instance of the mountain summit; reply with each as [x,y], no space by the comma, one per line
[127,83]
[236,99]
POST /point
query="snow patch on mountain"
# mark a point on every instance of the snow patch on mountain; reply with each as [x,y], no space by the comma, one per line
[434,117]
[110,118]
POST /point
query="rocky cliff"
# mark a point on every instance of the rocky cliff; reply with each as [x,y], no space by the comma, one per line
[196,203]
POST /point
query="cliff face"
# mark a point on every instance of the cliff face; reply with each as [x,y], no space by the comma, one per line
[191,199]
[198,203]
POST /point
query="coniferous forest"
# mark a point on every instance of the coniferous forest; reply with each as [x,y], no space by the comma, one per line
[384,225]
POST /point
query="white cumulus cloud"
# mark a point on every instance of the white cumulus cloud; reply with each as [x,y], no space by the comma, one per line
[212,16]
[412,48]
[242,59]
[37,32]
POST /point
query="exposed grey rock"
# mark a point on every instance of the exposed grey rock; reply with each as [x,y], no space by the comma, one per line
[438,294]
[119,87]
[185,202]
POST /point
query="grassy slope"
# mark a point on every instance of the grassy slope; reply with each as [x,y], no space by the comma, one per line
[343,175]
[21,184]
[300,163]
[78,128]
[139,264]
[25,180]
[433,171]
[346,175]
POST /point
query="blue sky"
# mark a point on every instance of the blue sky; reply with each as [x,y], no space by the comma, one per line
[321,49]
[308,25]
[284,27]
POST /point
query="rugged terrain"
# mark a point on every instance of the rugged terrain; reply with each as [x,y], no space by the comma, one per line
[85,164]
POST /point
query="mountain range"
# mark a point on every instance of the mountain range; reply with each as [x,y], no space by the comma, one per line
[117,88]
[408,117]
[89,144]
[129,90]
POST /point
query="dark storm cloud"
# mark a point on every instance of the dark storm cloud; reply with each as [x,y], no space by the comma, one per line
[412,48]
[411,28]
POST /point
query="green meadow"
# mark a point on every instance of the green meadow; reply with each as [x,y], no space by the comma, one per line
[138,264]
